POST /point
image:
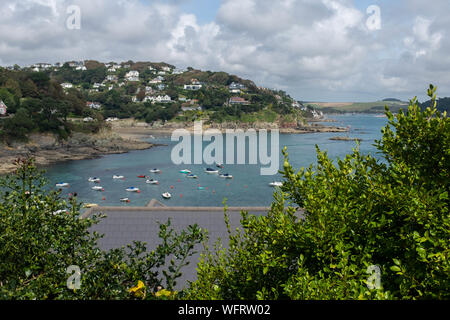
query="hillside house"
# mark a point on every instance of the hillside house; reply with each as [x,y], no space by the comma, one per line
[112,77]
[238,100]
[132,76]
[66,85]
[93,105]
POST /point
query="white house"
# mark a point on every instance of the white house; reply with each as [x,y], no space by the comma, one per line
[93,105]
[82,68]
[192,87]
[167,69]
[236,87]
[132,75]
[3,108]
[112,69]
[160,99]
[178,71]
[195,85]
[111,77]
[156,80]
[66,85]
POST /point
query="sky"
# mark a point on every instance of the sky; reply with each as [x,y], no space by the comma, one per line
[315,50]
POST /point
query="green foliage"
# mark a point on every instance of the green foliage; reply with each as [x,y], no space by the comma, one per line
[358,212]
[42,235]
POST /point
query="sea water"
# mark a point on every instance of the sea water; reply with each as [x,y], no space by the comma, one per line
[247,188]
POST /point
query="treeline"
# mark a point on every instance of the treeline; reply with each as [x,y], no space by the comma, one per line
[36,103]
[442,104]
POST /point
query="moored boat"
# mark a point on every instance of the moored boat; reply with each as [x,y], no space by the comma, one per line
[62,184]
[152,181]
[276,184]
[155,170]
[191,176]
[185,171]
[166,195]
[211,171]
[124,200]
[94,179]
[226,176]
[98,188]
[118,177]
[133,189]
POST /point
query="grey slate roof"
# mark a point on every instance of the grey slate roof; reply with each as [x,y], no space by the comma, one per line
[123,225]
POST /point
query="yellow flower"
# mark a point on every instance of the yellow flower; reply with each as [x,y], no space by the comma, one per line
[139,290]
[165,293]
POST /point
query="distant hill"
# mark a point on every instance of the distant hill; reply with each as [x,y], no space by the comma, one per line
[392,99]
[362,107]
[443,104]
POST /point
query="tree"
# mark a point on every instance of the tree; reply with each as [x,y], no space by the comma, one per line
[360,215]
[42,235]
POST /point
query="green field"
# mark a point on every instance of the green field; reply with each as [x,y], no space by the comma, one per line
[371,107]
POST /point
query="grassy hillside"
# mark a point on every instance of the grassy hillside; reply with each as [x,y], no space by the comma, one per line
[366,107]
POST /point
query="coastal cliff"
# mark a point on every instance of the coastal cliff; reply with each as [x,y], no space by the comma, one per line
[48,149]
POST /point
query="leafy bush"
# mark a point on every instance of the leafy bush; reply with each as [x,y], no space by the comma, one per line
[42,235]
[360,215]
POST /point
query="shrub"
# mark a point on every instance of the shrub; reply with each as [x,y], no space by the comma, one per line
[42,235]
[359,215]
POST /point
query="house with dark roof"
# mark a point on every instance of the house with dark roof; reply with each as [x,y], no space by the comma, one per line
[238,100]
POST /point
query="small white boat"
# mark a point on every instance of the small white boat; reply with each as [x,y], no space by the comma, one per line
[191,176]
[211,171]
[276,184]
[226,176]
[155,170]
[166,195]
[185,171]
[94,179]
[124,200]
[132,189]
[62,184]
[152,181]
[118,177]
[97,188]
[219,165]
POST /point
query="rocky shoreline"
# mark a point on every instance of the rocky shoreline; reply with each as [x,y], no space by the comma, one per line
[124,136]
[47,149]
[136,129]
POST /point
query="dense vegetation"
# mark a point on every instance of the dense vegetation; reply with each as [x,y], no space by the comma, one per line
[42,235]
[361,216]
[36,103]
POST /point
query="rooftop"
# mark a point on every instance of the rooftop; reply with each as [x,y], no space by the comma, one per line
[123,225]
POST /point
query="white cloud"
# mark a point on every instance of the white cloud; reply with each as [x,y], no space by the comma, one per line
[314,49]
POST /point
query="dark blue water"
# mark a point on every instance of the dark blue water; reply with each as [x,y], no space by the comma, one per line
[247,188]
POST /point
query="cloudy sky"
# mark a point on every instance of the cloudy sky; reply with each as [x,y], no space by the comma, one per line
[316,50]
